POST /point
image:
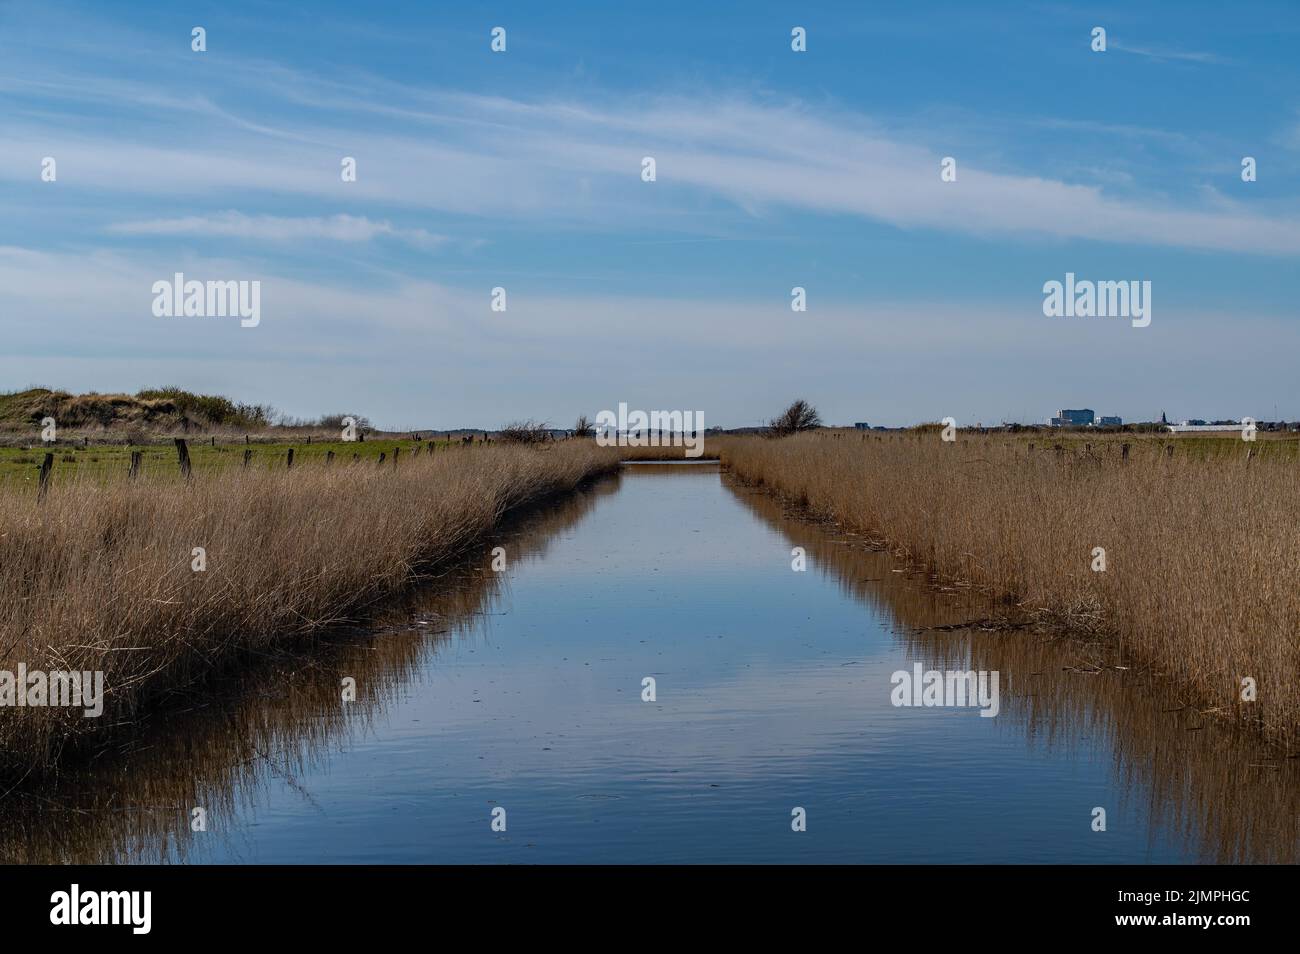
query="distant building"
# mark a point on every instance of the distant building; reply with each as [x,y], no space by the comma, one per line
[1108,421]
[1074,418]
[861,426]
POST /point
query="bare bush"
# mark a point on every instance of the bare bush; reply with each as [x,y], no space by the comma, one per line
[799,416]
[524,432]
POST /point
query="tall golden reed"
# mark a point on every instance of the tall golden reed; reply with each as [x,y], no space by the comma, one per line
[99,576]
[1202,578]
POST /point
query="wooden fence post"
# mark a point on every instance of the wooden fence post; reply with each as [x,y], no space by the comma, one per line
[432,445]
[248,455]
[396,451]
[382,457]
[1169,451]
[46,466]
[1123,451]
[289,460]
[329,457]
[183,457]
[134,472]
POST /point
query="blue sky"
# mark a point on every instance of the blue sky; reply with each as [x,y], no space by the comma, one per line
[774,169]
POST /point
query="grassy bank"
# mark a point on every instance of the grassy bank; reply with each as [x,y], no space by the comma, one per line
[99,576]
[20,466]
[1202,578]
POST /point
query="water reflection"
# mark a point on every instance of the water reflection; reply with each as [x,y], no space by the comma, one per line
[1228,799]
[523,689]
[279,720]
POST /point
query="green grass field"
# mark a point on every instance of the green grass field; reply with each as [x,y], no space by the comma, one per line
[20,467]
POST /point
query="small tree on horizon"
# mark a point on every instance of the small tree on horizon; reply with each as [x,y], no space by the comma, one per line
[524,432]
[583,427]
[799,416]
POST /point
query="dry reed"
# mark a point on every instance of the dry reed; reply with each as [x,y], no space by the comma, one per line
[1202,578]
[99,576]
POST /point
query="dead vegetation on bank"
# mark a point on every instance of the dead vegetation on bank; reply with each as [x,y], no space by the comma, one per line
[101,576]
[1202,558]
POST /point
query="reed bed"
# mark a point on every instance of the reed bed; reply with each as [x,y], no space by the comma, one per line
[99,576]
[1202,578]
[709,449]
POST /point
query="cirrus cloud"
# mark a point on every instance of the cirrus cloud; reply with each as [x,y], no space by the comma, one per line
[271,228]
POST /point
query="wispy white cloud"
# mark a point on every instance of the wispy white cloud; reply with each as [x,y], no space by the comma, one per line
[270,228]
[566,161]
[1165,54]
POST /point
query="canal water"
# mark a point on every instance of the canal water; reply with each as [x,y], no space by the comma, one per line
[518,696]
